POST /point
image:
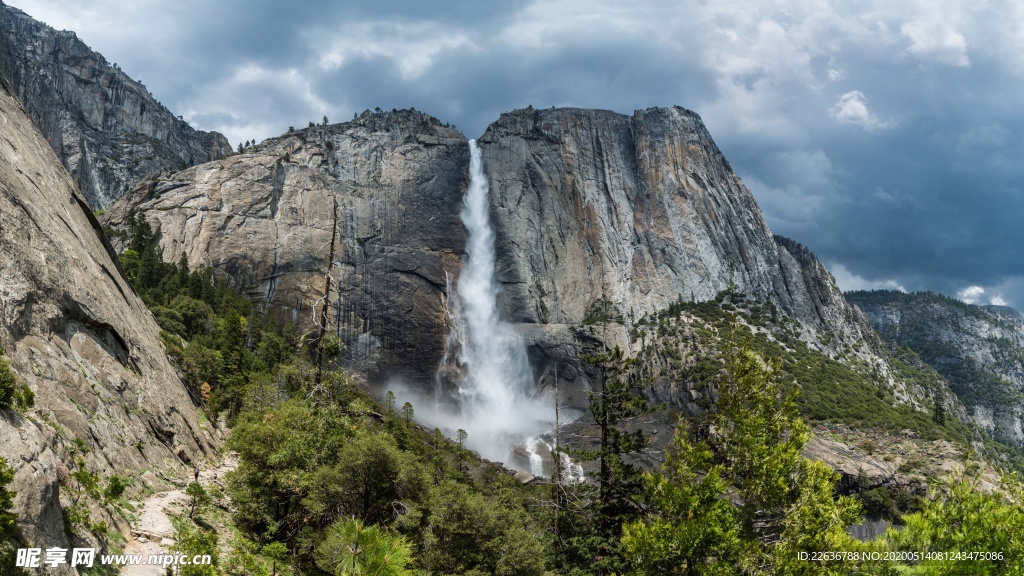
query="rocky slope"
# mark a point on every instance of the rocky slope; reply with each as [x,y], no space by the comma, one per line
[980,349]
[107,130]
[388,184]
[78,336]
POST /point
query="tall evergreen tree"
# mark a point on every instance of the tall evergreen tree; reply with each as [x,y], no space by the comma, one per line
[591,537]
[734,494]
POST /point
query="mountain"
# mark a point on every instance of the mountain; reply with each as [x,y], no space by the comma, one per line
[600,220]
[107,130]
[597,212]
[76,334]
[980,349]
[388,184]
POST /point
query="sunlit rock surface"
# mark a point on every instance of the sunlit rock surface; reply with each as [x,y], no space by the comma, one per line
[78,336]
[265,218]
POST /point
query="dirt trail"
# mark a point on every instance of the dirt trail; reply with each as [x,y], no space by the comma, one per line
[152,533]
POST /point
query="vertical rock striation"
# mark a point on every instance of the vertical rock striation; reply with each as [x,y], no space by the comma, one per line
[107,130]
[597,216]
[637,211]
[78,336]
[265,218]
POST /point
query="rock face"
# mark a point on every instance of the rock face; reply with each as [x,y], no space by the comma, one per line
[78,336]
[266,218]
[640,210]
[979,349]
[106,128]
[596,215]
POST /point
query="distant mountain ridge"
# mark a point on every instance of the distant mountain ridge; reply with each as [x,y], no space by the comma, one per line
[979,349]
[107,130]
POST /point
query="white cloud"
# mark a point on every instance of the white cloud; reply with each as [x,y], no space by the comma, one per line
[849,281]
[936,41]
[852,108]
[413,47]
[975,294]
[971,294]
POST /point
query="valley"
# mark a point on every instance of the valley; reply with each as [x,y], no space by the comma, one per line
[571,345]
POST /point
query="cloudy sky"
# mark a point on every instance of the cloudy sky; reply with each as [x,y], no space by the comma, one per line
[884,135]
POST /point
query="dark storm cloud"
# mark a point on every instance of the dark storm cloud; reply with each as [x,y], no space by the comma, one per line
[886,138]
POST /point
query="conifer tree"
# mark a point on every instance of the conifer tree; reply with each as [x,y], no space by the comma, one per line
[734,495]
[592,536]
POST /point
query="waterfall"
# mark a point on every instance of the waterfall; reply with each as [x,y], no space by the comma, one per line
[496,390]
[485,369]
[497,373]
[536,460]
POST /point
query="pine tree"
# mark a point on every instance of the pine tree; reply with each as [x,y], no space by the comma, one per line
[592,538]
[734,491]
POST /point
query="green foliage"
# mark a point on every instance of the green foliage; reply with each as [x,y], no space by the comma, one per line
[696,527]
[960,517]
[197,498]
[8,384]
[192,541]
[116,486]
[756,433]
[467,532]
[13,394]
[10,536]
[277,552]
[916,331]
[352,548]
[371,480]
[687,342]
[210,332]
[280,450]
[734,494]
[85,482]
[618,478]
[816,521]
[8,526]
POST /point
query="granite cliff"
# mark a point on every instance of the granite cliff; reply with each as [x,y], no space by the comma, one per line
[601,214]
[77,335]
[107,130]
[979,349]
[600,218]
[387,185]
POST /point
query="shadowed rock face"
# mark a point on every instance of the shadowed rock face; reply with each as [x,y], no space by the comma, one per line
[266,218]
[76,333]
[107,130]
